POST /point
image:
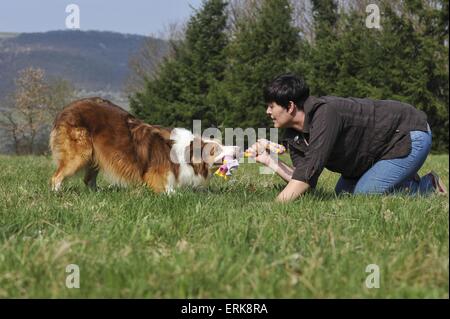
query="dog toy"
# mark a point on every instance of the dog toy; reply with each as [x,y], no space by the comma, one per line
[229,164]
[272,147]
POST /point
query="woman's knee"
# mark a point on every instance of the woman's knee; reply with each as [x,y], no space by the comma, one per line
[373,189]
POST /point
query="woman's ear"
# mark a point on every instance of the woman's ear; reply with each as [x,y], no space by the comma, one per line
[292,108]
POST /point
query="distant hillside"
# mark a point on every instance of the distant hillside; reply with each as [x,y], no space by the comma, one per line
[91,60]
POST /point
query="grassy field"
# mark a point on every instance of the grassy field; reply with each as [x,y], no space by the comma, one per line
[228,241]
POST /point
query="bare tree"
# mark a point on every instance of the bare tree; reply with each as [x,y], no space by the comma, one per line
[30,110]
[241,10]
[145,63]
[29,105]
[245,10]
[9,129]
[303,18]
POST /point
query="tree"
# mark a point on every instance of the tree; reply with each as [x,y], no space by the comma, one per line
[31,109]
[405,60]
[261,49]
[320,64]
[60,93]
[429,79]
[181,89]
[144,63]
[28,113]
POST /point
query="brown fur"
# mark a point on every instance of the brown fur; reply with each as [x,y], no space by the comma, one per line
[94,134]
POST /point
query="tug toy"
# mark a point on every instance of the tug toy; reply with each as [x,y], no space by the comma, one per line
[229,164]
[272,147]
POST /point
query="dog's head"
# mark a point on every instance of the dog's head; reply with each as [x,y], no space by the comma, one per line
[204,155]
[213,152]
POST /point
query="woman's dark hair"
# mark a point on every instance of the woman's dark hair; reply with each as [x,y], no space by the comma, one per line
[285,88]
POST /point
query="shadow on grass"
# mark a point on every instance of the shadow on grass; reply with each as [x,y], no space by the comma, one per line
[215,189]
[324,195]
[84,190]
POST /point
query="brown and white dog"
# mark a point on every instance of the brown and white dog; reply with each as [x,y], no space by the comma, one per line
[96,135]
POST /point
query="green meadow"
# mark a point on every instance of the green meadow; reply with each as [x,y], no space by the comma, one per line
[230,240]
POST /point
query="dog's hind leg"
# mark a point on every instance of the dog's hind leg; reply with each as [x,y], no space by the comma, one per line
[67,169]
[71,150]
[90,177]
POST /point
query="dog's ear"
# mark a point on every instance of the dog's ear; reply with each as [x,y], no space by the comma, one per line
[212,152]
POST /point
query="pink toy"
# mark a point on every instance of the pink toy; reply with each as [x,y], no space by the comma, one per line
[229,164]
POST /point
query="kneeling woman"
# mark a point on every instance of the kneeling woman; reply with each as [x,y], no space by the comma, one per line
[377,146]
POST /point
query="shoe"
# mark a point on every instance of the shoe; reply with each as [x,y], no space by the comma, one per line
[438,185]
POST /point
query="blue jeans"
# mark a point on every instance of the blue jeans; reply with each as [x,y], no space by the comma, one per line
[393,175]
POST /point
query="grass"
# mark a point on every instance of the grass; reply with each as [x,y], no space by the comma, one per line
[228,241]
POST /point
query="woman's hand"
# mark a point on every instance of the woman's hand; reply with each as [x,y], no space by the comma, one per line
[259,152]
[292,191]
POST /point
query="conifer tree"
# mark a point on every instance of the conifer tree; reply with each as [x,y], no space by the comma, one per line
[320,64]
[181,89]
[405,60]
[262,48]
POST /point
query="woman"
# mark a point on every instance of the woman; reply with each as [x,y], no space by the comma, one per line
[377,146]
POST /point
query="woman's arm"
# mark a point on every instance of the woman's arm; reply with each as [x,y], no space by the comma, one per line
[281,168]
[292,191]
[294,188]
[262,156]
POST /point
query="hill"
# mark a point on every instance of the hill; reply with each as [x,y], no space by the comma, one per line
[91,60]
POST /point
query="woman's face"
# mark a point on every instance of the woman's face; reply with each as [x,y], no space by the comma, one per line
[280,116]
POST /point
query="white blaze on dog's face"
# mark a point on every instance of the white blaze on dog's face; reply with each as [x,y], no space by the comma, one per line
[213,152]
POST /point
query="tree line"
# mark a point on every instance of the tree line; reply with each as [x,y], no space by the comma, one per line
[229,51]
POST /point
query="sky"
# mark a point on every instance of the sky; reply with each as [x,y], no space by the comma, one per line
[144,17]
